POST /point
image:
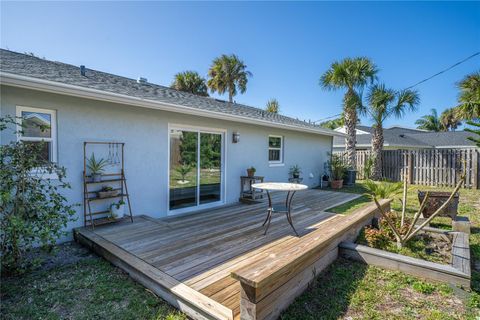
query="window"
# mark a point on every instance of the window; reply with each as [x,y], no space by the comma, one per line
[39,125]
[275,149]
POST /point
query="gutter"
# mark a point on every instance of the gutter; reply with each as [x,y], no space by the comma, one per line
[15,80]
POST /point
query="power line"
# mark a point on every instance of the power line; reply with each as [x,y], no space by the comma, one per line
[420,82]
[323,119]
[445,70]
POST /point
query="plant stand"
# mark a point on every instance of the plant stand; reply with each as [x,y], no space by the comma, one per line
[115,179]
[247,193]
[295,180]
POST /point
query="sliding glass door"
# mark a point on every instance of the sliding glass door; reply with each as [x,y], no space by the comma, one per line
[196,169]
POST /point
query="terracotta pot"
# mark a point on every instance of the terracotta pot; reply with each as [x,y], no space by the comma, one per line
[250,173]
[337,184]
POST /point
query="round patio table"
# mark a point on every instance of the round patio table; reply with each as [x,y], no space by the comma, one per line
[291,188]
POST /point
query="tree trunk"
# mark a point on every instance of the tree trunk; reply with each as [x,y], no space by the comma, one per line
[377,146]
[350,119]
[230,95]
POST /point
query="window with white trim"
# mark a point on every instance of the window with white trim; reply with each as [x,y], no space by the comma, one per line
[275,149]
[38,126]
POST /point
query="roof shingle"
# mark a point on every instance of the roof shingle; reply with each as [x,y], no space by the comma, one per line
[30,66]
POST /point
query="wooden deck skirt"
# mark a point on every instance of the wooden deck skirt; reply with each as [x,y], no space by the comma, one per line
[219,265]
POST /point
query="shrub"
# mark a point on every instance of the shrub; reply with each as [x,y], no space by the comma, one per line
[33,210]
[376,238]
[397,222]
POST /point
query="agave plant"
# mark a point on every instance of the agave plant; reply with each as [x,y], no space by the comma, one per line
[96,166]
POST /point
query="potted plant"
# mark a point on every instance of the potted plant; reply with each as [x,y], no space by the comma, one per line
[337,169]
[251,172]
[96,167]
[295,171]
[107,191]
[117,209]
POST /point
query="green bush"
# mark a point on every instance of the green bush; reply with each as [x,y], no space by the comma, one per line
[33,212]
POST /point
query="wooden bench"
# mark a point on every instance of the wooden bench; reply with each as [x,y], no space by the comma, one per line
[278,276]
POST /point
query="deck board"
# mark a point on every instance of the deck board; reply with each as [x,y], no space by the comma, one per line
[201,250]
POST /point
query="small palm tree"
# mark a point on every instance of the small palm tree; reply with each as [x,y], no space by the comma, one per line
[332,124]
[449,120]
[273,106]
[382,104]
[183,170]
[469,97]
[430,122]
[190,81]
[228,74]
[352,75]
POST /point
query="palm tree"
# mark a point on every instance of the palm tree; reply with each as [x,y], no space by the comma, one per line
[430,122]
[332,124]
[469,97]
[273,106]
[383,103]
[449,120]
[228,73]
[190,81]
[351,74]
[476,130]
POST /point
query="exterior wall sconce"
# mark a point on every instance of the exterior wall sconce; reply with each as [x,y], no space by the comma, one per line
[236,137]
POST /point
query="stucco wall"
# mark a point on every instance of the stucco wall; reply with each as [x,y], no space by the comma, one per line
[145,133]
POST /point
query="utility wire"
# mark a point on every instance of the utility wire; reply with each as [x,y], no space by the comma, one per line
[420,82]
[445,70]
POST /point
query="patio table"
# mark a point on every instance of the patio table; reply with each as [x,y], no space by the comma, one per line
[291,188]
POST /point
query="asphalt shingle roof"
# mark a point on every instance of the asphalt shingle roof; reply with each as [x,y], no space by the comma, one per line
[30,66]
[405,137]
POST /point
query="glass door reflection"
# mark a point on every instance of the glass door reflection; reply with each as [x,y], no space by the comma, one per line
[183,169]
[196,169]
[210,167]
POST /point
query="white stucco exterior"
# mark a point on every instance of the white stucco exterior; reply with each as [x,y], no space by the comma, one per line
[145,133]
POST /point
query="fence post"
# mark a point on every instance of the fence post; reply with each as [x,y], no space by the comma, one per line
[475,183]
[410,167]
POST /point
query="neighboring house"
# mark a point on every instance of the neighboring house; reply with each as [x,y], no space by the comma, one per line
[397,137]
[163,130]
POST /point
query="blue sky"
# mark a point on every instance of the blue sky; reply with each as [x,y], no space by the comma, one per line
[286,45]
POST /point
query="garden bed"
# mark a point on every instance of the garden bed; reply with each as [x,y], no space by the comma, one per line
[456,271]
[433,246]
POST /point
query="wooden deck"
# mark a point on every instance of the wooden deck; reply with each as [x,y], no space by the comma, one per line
[188,260]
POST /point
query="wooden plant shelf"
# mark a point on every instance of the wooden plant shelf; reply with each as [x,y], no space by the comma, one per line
[112,177]
[105,181]
[106,220]
[104,198]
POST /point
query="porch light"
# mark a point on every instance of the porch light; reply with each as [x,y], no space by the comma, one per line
[236,137]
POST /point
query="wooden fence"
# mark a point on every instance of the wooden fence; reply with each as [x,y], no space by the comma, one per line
[431,167]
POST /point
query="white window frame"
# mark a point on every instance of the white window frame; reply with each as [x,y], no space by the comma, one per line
[53,128]
[282,141]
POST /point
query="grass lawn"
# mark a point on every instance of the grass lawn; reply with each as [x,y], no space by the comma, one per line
[352,290]
[76,284]
[80,285]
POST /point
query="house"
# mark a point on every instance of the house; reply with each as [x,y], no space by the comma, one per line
[398,137]
[183,153]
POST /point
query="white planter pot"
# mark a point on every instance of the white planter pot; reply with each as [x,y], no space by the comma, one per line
[117,213]
[97,177]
